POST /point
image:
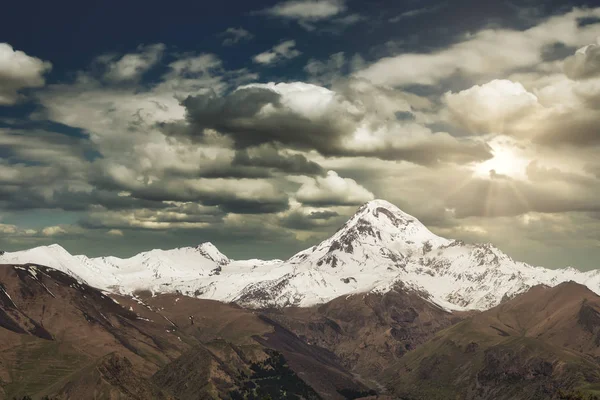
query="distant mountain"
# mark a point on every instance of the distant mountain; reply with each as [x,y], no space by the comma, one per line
[378,248]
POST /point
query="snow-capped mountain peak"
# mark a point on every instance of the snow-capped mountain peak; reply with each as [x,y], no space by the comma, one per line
[386,222]
[210,251]
[379,231]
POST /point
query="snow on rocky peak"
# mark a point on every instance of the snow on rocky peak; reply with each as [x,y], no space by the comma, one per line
[209,251]
[379,231]
[379,248]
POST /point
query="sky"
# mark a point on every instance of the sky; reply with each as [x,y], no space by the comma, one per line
[262,126]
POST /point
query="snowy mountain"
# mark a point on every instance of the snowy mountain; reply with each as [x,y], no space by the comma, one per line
[378,248]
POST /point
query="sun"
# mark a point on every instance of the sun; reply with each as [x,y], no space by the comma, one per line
[508,160]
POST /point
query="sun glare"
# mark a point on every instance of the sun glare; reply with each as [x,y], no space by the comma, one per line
[507,160]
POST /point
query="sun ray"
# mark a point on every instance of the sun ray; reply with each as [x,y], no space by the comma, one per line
[489,197]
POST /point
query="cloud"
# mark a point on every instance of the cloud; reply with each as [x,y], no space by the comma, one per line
[131,67]
[54,231]
[336,67]
[491,107]
[19,71]
[312,220]
[196,153]
[240,196]
[178,215]
[234,36]
[327,214]
[13,230]
[325,72]
[546,108]
[282,51]
[417,12]
[474,57]
[332,190]
[134,166]
[348,20]
[584,64]
[505,196]
[357,120]
[307,10]
[267,156]
[335,26]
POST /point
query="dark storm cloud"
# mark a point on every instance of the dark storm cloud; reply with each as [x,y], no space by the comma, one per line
[41,147]
[298,220]
[140,218]
[233,171]
[241,116]
[322,214]
[237,115]
[271,158]
[227,199]
[15,197]
[249,206]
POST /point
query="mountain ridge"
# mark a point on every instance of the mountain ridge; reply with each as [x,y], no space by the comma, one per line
[378,247]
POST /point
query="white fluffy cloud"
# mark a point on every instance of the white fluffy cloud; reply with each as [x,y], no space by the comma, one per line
[131,67]
[487,53]
[333,190]
[311,10]
[283,51]
[19,71]
[491,107]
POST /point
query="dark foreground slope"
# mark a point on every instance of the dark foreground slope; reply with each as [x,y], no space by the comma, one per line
[369,332]
[538,345]
[62,338]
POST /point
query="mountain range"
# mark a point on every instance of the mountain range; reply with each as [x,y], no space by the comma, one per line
[377,248]
[382,309]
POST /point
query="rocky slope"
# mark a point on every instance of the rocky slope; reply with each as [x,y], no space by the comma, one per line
[368,331]
[377,248]
[538,345]
[67,340]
